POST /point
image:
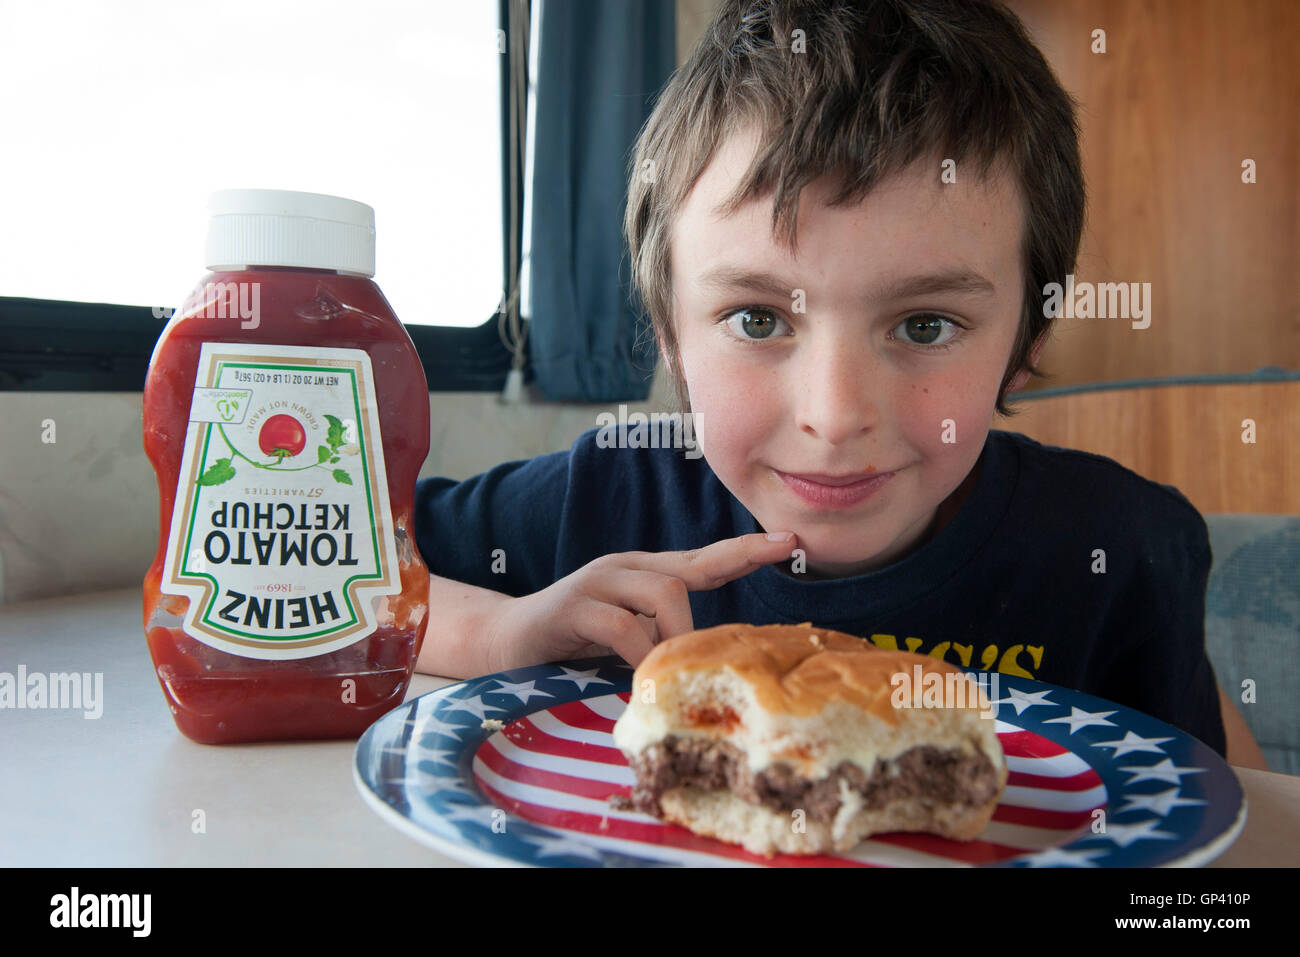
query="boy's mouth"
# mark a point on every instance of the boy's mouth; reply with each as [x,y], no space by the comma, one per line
[834,491]
[836,481]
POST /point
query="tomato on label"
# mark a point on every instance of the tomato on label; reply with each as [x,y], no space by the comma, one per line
[282,436]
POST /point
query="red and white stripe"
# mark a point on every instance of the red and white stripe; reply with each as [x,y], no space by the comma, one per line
[559,767]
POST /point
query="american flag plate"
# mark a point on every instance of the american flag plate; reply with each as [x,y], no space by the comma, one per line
[518,768]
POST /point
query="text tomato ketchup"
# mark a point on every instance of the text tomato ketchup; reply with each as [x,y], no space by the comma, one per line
[286,416]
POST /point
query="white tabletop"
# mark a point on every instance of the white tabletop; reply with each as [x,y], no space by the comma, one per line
[122,789]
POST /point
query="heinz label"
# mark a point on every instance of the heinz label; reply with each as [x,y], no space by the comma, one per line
[280,531]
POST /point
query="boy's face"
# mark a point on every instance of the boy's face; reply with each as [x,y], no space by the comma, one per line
[859,382]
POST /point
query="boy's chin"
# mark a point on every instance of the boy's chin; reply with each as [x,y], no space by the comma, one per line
[842,556]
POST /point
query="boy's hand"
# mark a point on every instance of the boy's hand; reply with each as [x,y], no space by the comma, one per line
[626,602]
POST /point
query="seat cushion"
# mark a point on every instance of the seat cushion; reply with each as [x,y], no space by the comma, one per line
[1252,625]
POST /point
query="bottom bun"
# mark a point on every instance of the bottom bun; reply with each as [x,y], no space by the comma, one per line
[763,831]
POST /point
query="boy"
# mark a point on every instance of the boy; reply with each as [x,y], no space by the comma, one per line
[852,213]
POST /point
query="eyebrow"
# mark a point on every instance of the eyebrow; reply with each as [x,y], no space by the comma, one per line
[958,280]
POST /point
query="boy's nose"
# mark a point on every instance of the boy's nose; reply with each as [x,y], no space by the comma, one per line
[836,401]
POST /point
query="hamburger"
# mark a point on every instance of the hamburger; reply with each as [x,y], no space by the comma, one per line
[795,739]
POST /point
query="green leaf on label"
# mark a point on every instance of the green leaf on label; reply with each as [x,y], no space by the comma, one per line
[333,460]
[220,471]
[322,453]
[342,476]
[335,437]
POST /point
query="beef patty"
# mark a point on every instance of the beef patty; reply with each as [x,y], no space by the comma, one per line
[948,777]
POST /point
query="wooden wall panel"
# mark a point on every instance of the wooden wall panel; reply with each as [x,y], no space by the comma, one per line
[1188,436]
[1186,90]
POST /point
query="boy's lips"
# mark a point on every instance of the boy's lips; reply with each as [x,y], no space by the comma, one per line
[836,481]
[834,491]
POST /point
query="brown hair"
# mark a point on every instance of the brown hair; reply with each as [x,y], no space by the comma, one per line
[881,83]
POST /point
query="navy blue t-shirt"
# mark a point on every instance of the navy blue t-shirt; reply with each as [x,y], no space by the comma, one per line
[1012,583]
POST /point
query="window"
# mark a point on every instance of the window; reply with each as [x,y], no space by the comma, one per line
[122,118]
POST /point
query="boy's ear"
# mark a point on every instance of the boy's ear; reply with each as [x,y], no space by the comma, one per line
[1023,375]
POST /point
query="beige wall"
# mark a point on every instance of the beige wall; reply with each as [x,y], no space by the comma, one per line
[692,17]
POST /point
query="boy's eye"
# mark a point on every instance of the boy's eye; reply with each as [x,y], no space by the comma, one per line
[927,329]
[754,324]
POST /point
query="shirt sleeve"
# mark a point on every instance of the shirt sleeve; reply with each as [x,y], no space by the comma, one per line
[1168,674]
[497,530]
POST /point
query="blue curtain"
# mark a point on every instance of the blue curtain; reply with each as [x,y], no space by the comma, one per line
[600,65]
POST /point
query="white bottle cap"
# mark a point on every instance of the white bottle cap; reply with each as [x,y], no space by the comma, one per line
[277,227]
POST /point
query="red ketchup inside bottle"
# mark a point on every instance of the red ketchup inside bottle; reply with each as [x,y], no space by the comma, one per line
[286,415]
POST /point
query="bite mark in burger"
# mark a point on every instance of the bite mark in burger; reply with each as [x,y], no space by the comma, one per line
[749,725]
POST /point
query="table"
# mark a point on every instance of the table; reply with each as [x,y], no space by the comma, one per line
[124,789]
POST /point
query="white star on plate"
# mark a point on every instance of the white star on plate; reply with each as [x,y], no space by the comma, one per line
[1126,834]
[1133,742]
[1166,770]
[1020,701]
[414,777]
[522,691]
[437,726]
[1059,857]
[478,813]
[582,678]
[474,706]
[555,846]
[1161,803]
[1081,719]
[436,755]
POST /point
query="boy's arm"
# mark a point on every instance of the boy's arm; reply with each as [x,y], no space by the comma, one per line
[512,510]
[456,637]
[1243,750]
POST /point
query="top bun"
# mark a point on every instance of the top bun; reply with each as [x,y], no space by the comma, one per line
[795,670]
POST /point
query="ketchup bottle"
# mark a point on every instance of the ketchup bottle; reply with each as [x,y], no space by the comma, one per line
[286,415]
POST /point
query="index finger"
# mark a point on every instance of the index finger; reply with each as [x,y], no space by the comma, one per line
[714,565]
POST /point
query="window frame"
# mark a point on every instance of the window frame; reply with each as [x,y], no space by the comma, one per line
[50,345]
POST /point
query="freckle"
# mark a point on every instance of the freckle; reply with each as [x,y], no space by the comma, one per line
[926,391]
